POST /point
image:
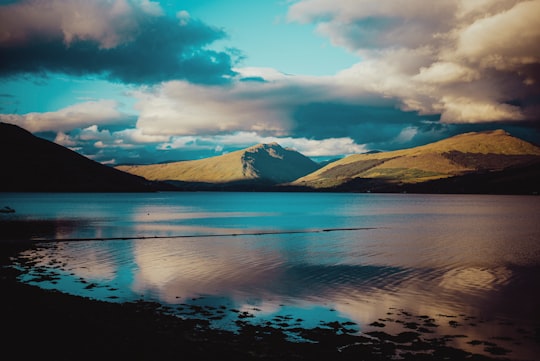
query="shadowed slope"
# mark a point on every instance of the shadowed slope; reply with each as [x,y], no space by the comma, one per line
[32,164]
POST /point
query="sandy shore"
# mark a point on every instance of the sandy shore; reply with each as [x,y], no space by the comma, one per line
[48,324]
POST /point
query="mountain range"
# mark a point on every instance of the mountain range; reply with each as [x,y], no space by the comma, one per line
[481,162]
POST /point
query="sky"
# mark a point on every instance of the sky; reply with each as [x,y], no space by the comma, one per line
[141,81]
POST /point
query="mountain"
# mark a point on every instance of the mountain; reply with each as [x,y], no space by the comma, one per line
[30,163]
[485,162]
[261,165]
[477,162]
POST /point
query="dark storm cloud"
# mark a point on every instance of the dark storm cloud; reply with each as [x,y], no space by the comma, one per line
[363,123]
[136,47]
[386,128]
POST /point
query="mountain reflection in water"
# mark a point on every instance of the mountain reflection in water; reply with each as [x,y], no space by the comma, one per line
[467,261]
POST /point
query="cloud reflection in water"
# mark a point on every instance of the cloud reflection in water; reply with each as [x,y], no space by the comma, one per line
[474,256]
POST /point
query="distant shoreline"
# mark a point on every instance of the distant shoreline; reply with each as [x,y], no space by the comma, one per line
[525,191]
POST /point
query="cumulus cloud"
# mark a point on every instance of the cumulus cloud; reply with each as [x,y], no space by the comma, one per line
[106,23]
[182,108]
[99,112]
[131,41]
[137,136]
[314,108]
[467,110]
[309,147]
[133,146]
[108,146]
[443,73]
[504,41]
[424,73]
[374,24]
[470,62]
[180,120]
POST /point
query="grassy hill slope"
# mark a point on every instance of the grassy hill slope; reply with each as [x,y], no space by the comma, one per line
[462,155]
[263,164]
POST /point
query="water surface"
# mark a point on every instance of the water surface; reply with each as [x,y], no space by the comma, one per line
[470,264]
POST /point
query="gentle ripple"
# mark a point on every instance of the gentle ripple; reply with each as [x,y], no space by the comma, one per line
[429,254]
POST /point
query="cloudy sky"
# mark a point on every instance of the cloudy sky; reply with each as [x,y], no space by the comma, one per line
[141,81]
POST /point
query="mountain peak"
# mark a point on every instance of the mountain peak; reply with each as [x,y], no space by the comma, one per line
[274,150]
[272,162]
[266,163]
[272,145]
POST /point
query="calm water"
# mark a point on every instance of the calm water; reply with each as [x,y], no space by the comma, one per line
[471,263]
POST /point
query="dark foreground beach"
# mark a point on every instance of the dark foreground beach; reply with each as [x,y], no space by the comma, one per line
[45,324]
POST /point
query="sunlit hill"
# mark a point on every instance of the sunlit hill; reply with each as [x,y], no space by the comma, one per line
[484,162]
[262,164]
[478,162]
[472,162]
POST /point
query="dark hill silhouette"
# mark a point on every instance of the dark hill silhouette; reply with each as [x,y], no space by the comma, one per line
[33,164]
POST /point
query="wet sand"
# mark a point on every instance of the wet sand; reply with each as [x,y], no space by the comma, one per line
[48,324]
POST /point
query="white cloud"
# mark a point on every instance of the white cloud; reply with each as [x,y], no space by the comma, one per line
[406,134]
[103,138]
[268,107]
[138,136]
[184,17]
[446,72]
[268,74]
[319,116]
[466,61]
[94,133]
[181,108]
[462,59]
[64,140]
[505,40]
[373,24]
[467,110]
[99,144]
[151,7]
[76,116]
[323,147]
[308,147]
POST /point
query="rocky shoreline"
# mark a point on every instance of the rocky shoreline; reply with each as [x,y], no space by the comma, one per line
[50,324]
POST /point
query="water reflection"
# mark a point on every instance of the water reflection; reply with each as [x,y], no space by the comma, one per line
[241,274]
[474,280]
[469,263]
[14,228]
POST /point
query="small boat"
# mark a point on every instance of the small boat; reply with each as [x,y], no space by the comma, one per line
[7,209]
